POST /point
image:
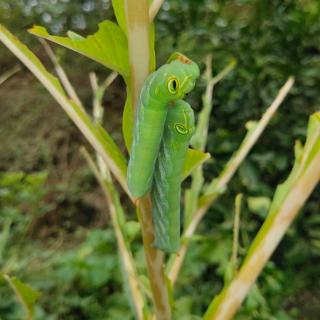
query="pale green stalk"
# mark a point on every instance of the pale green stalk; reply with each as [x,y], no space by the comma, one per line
[218,185]
[138,42]
[137,18]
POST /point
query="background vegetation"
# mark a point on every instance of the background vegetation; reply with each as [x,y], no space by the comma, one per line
[55,234]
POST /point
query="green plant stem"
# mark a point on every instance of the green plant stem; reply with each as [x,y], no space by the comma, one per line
[222,181]
[137,15]
[236,227]
[224,306]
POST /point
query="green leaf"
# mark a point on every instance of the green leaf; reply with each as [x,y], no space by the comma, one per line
[119,11]
[4,236]
[96,135]
[128,120]
[26,295]
[193,159]
[112,148]
[303,159]
[107,46]
[132,230]
[259,205]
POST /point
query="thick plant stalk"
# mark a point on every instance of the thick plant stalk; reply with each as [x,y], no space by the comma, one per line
[125,254]
[227,303]
[138,39]
[138,44]
[221,182]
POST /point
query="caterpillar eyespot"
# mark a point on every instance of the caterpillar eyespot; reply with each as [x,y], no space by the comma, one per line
[181,128]
[173,85]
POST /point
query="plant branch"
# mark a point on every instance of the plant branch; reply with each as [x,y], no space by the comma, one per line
[61,73]
[6,75]
[240,155]
[137,17]
[219,184]
[98,92]
[236,228]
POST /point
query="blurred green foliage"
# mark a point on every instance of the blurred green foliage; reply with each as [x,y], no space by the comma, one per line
[270,41]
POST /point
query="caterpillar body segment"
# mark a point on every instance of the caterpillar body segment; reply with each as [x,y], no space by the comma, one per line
[166,188]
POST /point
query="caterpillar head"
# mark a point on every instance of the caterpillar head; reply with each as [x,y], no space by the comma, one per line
[175,79]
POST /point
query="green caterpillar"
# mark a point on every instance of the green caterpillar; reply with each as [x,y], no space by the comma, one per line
[169,83]
[166,188]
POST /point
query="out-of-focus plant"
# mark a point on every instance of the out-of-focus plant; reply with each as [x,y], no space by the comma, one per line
[128,48]
[17,190]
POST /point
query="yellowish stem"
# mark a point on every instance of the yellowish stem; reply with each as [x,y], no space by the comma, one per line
[138,42]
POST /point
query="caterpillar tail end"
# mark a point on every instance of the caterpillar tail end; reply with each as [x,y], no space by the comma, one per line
[136,189]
